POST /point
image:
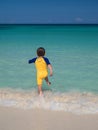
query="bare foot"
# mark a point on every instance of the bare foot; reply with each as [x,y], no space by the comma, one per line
[41,93]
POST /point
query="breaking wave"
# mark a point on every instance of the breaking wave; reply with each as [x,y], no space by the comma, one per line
[79,103]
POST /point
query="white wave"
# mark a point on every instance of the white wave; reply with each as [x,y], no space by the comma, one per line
[79,103]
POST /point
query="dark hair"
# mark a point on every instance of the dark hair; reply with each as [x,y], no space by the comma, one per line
[40,51]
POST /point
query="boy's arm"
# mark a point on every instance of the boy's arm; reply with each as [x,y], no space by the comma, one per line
[50,68]
[32,61]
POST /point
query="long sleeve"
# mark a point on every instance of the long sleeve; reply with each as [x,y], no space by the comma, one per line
[32,61]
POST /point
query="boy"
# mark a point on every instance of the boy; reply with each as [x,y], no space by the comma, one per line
[42,65]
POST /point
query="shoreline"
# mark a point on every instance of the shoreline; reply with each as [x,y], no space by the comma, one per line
[38,119]
[77,103]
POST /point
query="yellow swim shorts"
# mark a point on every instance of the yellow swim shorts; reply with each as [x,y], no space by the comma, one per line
[40,76]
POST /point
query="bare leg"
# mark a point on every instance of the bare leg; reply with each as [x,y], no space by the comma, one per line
[47,81]
[40,90]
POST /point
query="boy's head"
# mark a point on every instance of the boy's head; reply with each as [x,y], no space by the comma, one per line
[40,51]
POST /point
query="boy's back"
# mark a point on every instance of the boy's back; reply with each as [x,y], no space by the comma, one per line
[40,64]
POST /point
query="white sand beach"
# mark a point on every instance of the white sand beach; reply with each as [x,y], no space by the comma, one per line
[37,119]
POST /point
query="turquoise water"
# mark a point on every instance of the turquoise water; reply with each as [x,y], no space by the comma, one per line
[71,49]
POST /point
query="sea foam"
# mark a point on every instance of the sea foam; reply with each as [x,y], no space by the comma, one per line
[79,103]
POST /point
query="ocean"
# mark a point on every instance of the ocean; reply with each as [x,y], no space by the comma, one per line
[73,53]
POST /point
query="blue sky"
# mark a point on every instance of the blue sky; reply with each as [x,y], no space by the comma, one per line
[49,11]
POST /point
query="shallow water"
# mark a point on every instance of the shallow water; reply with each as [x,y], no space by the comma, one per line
[73,53]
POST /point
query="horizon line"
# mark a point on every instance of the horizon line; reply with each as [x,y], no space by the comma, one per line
[48,23]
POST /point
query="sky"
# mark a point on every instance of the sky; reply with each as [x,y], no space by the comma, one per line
[48,11]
